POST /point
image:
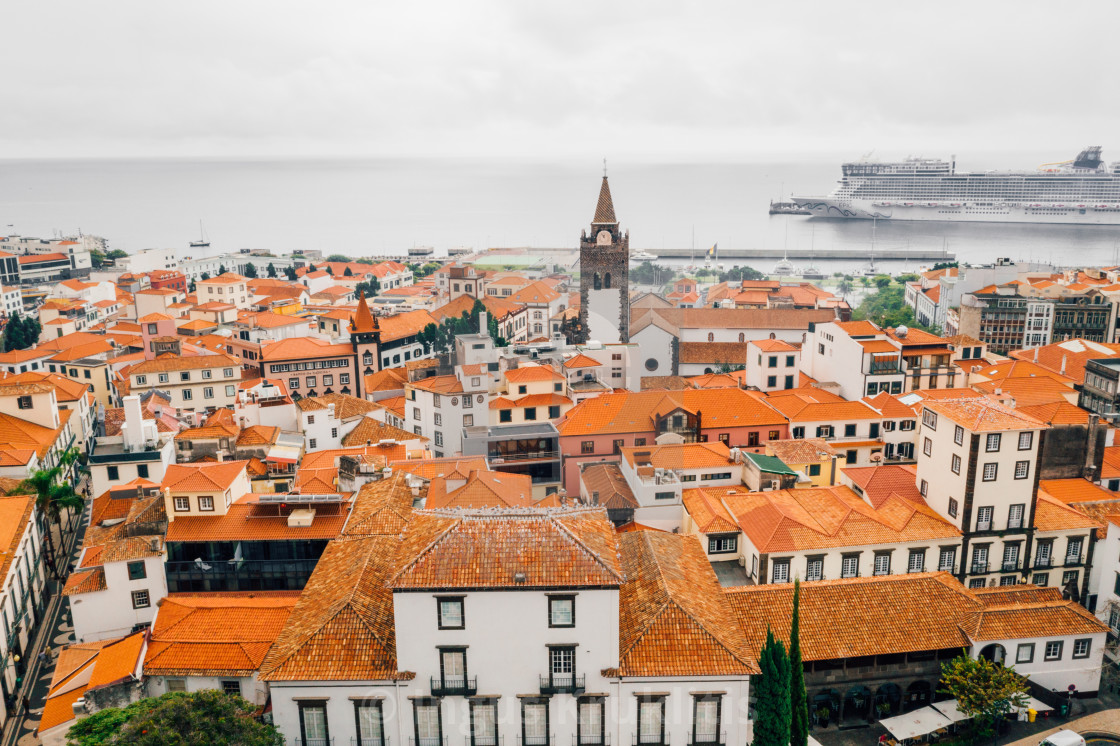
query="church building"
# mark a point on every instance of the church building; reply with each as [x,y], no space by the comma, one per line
[604,268]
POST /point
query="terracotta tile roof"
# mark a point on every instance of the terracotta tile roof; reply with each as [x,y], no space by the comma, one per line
[1045,619]
[717,380]
[983,415]
[530,373]
[192,478]
[387,379]
[1019,369]
[1069,356]
[484,489]
[225,634]
[1110,468]
[99,664]
[119,548]
[708,513]
[878,345]
[674,619]
[768,319]
[21,435]
[1027,391]
[15,513]
[403,325]
[244,520]
[258,435]
[801,450]
[535,292]
[1002,595]
[218,425]
[381,508]
[299,348]
[879,483]
[712,353]
[394,404]
[439,385]
[1056,413]
[1074,491]
[224,279]
[369,431]
[581,361]
[168,362]
[345,406]
[632,526]
[628,411]
[817,405]
[530,400]
[668,383]
[85,581]
[545,547]
[889,406]
[449,468]
[858,328]
[607,480]
[342,628]
[827,517]
[678,455]
[65,389]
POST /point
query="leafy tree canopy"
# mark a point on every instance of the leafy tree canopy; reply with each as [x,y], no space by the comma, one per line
[250,270]
[984,690]
[888,308]
[271,269]
[738,274]
[177,719]
[338,258]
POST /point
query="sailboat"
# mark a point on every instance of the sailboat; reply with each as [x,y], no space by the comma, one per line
[202,242]
[811,272]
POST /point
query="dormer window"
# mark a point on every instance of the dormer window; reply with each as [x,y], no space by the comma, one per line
[24,402]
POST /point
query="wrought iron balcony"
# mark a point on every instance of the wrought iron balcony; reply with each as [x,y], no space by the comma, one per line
[563,683]
[450,686]
[476,739]
[1009,565]
[427,741]
[591,739]
[370,741]
[979,568]
[548,740]
[652,739]
[1073,559]
[707,739]
[1043,562]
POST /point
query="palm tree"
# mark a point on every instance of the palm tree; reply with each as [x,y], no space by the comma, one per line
[53,494]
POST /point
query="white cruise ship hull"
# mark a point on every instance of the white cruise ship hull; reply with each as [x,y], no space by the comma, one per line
[980,212]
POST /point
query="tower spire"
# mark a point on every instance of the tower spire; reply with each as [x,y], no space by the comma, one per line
[363,320]
[604,210]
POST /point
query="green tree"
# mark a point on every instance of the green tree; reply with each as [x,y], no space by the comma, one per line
[903,279]
[31,331]
[346,272]
[271,269]
[20,333]
[338,258]
[845,286]
[985,690]
[368,289]
[798,699]
[97,258]
[944,265]
[772,708]
[251,270]
[205,275]
[888,308]
[53,494]
[881,281]
[179,719]
[290,273]
[738,274]
[221,269]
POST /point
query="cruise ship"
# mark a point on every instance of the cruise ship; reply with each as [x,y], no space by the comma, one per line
[1081,191]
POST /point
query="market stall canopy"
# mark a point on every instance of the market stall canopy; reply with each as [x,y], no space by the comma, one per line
[917,723]
[949,709]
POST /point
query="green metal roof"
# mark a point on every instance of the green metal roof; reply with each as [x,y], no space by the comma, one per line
[769,464]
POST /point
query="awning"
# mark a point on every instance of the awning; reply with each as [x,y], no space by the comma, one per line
[916,723]
[949,709]
[1036,705]
[283,454]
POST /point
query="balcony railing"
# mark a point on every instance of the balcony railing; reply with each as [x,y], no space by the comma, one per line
[427,741]
[1014,523]
[878,571]
[487,739]
[652,739]
[312,742]
[450,686]
[1073,559]
[1043,562]
[814,575]
[523,456]
[536,740]
[979,568]
[983,525]
[563,684]
[591,739]
[707,739]
[1009,565]
[916,568]
[370,741]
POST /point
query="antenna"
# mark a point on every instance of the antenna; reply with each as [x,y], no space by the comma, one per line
[604,168]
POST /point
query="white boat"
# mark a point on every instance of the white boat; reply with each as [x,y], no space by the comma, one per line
[203,241]
[642,256]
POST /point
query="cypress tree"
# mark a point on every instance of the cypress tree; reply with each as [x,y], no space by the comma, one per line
[772,712]
[798,699]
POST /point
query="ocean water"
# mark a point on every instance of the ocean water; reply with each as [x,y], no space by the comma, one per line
[364,207]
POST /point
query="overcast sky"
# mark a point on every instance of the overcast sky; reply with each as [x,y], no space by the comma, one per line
[571,79]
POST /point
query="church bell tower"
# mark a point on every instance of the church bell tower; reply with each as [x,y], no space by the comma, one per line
[604,275]
[365,336]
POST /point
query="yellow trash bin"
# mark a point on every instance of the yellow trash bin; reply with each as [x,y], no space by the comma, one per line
[1031,715]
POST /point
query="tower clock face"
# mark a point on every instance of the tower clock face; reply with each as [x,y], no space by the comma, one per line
[604,238]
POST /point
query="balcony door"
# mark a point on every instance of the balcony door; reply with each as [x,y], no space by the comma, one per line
[453,667]
[534,722]
[429,729]
[651,721]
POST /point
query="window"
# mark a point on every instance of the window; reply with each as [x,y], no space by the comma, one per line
[771,381]
[814,568]
[140,380]
[849,431]
[484,722]
[1025,653]
[208,392]
[176,685]
[946,559]
[798,432]
[1022,468]
[781,572]
[917,561]
[789,382]
[1053,650]
[185,375]
[651,720]
[24,402]
[136,570]
[1073,551]
[1070,576]
[227,372]
[814,470]
[824,431]
[927,447]
[1040,579]
[112,473]
[311,382]
[370,723]
[849,566]
[553,411]
[141,600]
[929,419]
[293,383]
[956,465]
[990,471]
[438,421]
[205,502]
[505,415]
[722,544]
[980,559]
[163,378]
[344,379]
[561,611]
[1042,558]
[416,413]
[790,361]
[313,443]
[984,518]
[1026,440]
[882,563]
[923,487]
[772,361]
[1015,516]
[530,412]
[207,374]
[439,438]
[587,446]
[705,719]
[231,686]
[313,723]
[953,507]
[991,445]
[182,504]
[450,613]
[1010,557]
[905,424]
[534,722]
[590,722]
[142,470]
[453,668]
[773,435]
[1081,647]
[187,394]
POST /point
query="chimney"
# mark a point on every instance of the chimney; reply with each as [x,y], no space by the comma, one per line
[133,423]
[483,324]
[1091,447]
[1063,370]
[1036,354]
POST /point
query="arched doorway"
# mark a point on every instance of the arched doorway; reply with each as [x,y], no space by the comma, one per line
[918,694]
[888,699]
[994,653]
[607,281]
[597,281]
[857,704]
[824,708]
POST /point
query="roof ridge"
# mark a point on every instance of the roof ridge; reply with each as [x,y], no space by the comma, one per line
[427,549]
[555,518]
